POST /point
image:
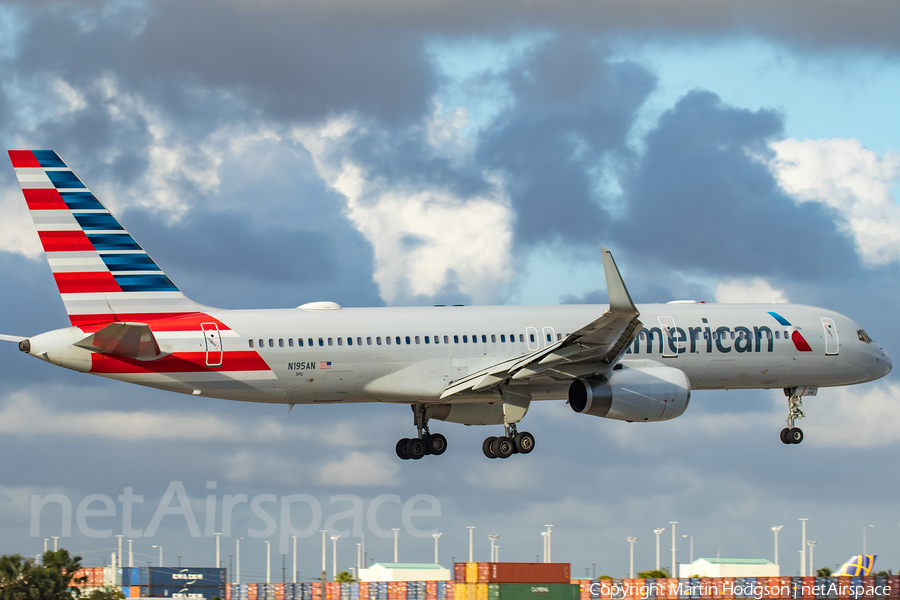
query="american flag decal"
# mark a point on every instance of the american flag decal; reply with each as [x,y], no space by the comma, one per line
[325,364]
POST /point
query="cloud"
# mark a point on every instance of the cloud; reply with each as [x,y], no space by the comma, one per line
[853,181]
[25,415]
[361,469]
[743,291]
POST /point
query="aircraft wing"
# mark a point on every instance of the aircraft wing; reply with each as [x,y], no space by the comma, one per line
[10,338]
[593,348]
[132,340]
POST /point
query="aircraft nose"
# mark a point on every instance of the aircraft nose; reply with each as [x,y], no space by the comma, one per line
[886,362]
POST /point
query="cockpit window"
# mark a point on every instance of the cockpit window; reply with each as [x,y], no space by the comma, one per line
[863,336]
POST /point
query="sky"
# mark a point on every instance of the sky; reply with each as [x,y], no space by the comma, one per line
[392,153]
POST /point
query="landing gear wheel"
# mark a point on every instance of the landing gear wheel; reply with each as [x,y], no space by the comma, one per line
[436,444]
[524,442]
[795,435]
[487,447]
[784,436]
[415,448]
[503,447]
[401,449]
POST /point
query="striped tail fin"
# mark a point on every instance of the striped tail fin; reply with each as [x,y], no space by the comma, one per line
[857,566]
[102,273]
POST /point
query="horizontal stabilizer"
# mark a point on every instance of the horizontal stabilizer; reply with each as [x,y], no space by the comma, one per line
[132,340]
[10,338]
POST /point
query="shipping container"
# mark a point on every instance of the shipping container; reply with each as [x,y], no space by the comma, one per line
[540,591]
[509,572]
[185,592]
[175,576]
[459,572]
[471,572]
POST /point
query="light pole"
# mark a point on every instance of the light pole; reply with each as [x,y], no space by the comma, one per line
[268,562]
[294,568]
[631,541]
[657,532]
[471,528]
[119,555]
[811,545]
[324,574]
[237,560]
[130,555]
[358,558]
[692,548]
[160,555]
[864,537]
[218,557]
[55,542]
[396,544]
[549,542]
[334,540]
[544,535]
[436,537]
[493,539]
[803,548]
[673,524]
[776,529]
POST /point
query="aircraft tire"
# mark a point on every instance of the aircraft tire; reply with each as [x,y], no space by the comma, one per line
[795,435]
[436,444]
[401,449]
[486,447]
[784,436]
[415,448]
[524,442]
[503,447]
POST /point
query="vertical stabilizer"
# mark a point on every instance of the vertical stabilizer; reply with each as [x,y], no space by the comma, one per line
[858,566]
[102,273]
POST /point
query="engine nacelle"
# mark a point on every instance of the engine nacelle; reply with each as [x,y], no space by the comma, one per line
[648,394]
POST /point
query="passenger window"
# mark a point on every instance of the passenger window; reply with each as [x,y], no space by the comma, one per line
[474,339]
[531,337]
[407,341]
[521,337]
[310,340]
[330,342]
[261,344]
[502,337]
[397,339]
[705,335]
[281,343]
[549,338]
[369,341]
[321,342]
[732,335]
[558,336]
[483,339]
[300,342]
[455,339]
[251,343]
[777,336]
[786,336]
[447,339]
[349,341]
[387,340]
[359,341]
[417,339]
[271,343]
[465,339]
[378,340]
[426,340]
[493,339]
[291,342]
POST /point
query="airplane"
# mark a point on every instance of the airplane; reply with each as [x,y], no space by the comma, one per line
[859,565]
[474,365]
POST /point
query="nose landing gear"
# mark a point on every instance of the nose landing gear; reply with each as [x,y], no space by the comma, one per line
[793,434]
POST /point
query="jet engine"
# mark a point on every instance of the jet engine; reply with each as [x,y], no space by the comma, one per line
[646,394]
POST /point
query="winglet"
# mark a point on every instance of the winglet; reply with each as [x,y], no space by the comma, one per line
[619,298]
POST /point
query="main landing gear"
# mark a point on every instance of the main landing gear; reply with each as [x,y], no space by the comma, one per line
[792,434]
[427,442]
[509,444]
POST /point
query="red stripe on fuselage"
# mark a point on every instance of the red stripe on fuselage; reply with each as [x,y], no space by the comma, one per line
[800,342]
[44,200]
[23,159]
[86,283]
[65,241]
[177,321]
[181,362]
